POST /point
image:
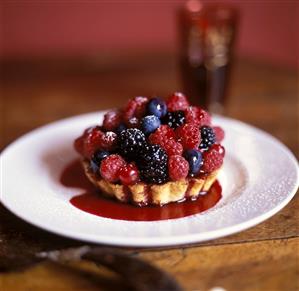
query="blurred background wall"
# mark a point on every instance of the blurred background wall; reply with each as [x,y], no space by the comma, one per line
[268,29]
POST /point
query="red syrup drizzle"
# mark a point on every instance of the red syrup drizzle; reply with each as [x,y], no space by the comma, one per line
[92,202]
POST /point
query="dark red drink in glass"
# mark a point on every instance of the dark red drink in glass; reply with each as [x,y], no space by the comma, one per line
[206,35]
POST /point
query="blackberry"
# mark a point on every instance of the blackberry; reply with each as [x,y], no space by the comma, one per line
[208,137]
[130,141]
[152,163]
[174,119]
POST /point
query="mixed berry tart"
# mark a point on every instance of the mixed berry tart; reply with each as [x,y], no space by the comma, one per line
[153,152]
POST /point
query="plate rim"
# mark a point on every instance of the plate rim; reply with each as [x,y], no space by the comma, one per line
[156,241]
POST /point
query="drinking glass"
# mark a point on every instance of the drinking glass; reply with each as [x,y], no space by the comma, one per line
[206,39]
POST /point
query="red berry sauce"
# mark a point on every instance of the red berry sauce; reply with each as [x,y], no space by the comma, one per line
[92,202]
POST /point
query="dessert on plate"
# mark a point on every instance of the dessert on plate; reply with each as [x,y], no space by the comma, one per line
[153,152]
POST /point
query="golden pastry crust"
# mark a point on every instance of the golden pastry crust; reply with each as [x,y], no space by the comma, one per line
[143,194]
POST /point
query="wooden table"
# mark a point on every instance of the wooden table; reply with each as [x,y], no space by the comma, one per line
[264,257]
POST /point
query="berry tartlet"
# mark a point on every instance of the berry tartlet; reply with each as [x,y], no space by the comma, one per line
[152,152]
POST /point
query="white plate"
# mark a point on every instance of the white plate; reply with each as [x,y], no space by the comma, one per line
[259,178]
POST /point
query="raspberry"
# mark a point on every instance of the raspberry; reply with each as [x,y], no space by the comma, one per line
[92,139]
[96,160]
[163,134]
[219,148]
[191,114]
[79,142]
[112,119]
[198,116]
[172,148]
[78,145]
[203,117]
[165,138]
[141,104]
[136,107]
[177,101]
[163,131]
[219,133]
[111,166]
[133,122]
[108,141]
[128,174]
[189,136]
[213,158]
[178,168]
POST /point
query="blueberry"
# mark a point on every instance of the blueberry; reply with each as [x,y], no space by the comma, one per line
[96,160]
[194,159]
[157,107]
[150,123]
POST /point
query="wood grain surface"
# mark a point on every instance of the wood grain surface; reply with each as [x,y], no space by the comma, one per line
[264,257]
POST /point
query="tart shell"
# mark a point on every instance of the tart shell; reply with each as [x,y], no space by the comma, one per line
[152,194]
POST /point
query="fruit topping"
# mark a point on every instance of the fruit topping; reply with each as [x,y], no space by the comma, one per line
[172,147]
[157,107]
[112,119]
[120,128]
[136,107]
[162,135]
[153,141]
[197,116]
[78,145]
[108,141]
[110,167]
[177,101]
[219,133]
[219,148]
[130,142]
[96,160]
[213,158]
[208,137]
[128,174]
[178,168]
[189,136]
[149,124]
[92,139]
[174,119]
[152,163]
[133,122]
[194,159]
